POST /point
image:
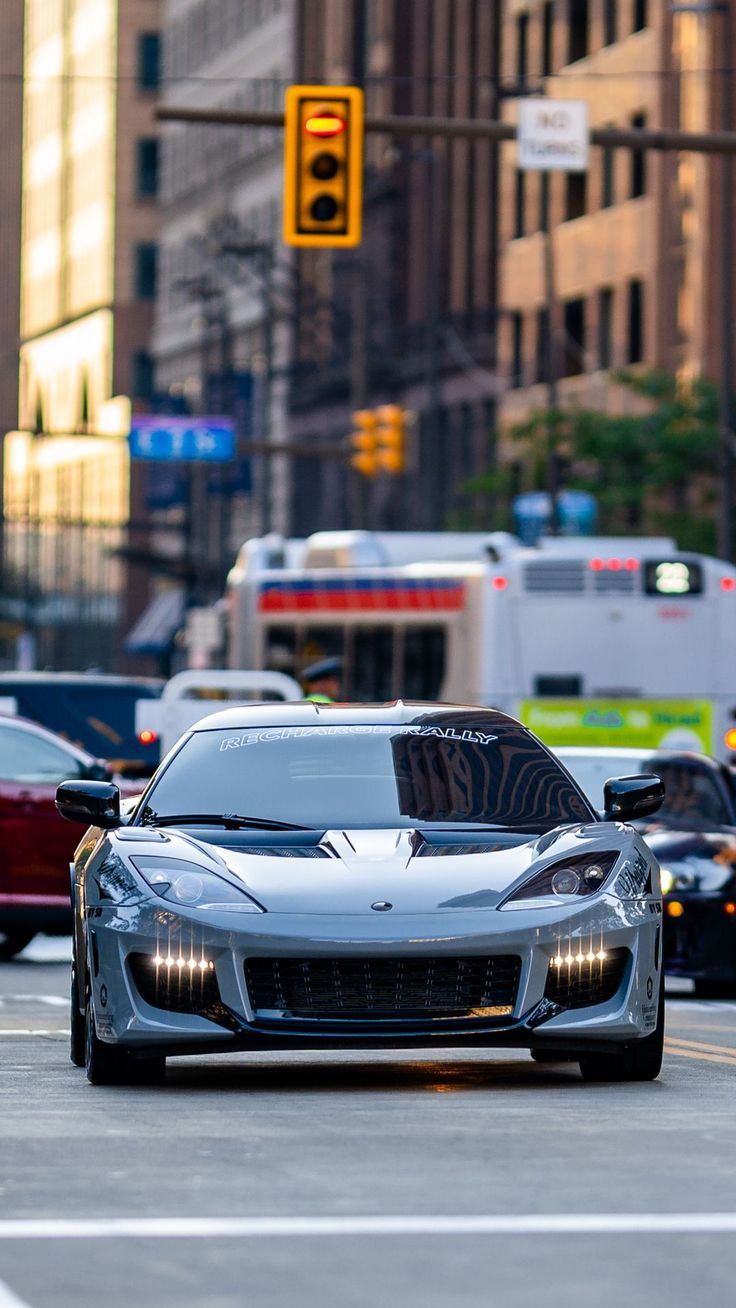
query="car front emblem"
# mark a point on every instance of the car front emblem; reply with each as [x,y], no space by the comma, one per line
[382,906]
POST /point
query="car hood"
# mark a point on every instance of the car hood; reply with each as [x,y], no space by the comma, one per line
[350,871]
[697,860]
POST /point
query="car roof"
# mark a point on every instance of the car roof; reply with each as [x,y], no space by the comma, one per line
[37,729]
[398,713]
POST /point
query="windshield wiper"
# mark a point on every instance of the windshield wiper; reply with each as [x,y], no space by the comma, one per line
[231,821]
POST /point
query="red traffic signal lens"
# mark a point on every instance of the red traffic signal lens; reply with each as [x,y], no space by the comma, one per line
[325,124]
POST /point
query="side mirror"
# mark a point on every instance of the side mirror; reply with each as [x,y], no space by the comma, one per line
[95,803]
[627,798]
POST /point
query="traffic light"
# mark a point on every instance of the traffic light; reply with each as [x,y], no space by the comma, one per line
[323,166]
[391,438]
[365,443]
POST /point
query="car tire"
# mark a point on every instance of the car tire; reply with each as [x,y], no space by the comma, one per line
[638,1062]
[110,1065]
[13,942]
[76,1023]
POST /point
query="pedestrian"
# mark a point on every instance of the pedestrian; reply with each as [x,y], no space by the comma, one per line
[321,681]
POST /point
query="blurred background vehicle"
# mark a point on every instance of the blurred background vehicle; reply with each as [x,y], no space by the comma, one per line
[694,839]
[36,844]
[574,637]
[95,713]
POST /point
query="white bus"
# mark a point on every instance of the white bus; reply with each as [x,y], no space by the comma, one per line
[596,641]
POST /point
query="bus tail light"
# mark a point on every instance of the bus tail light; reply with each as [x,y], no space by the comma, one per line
[728,583]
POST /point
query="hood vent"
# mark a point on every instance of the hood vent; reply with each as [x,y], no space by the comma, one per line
[285,851]
[445,851]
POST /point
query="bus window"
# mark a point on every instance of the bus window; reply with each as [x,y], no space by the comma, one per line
[424,662]
[372,665]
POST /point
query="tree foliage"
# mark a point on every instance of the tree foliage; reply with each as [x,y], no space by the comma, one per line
[651,472]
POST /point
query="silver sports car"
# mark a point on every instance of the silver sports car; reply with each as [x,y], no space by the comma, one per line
[313,876]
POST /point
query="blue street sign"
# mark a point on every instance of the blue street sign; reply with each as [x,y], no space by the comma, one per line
[165,438]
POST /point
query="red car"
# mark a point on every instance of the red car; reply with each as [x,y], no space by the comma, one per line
[36,844]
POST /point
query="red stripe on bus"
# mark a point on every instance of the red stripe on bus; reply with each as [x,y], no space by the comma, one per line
[335,601]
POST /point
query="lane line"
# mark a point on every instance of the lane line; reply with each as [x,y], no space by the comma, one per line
[701,1058]
[189,1228]
[8,1299]
[702,1044]
[34,1031]
[55,1001]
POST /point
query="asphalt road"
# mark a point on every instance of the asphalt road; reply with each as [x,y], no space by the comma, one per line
[479,1179]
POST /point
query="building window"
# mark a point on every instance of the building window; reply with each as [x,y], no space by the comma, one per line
[147,166]
[635,343]
[576,195]
[542,368]
[605,327]
[548,30]
[607,177]
[574,323]
[640,15]
[146,270]
[142,381]
[609,22]
[578,41]
[149,61]
[517,350]
[544,202]
[638,161]
[522,47]
[520,203]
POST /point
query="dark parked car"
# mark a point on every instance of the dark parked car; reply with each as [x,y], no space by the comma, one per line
[36,844]
[96,713]
[694,838]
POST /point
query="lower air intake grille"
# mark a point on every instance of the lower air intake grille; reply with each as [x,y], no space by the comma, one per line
[580,985]
[384,988]
[178,989]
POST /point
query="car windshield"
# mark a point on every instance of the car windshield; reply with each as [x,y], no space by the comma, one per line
[693,796]
[434,771]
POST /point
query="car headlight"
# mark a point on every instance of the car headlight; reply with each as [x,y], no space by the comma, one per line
[666,880]
[571,878]
[192,886]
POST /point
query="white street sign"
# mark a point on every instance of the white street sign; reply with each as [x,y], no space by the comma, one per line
[553,135]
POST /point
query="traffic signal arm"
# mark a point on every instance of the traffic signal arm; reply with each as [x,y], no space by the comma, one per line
[323,166]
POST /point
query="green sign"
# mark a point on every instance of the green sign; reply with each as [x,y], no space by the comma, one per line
[644,723]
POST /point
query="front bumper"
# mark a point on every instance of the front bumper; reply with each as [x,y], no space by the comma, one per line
[123,1016]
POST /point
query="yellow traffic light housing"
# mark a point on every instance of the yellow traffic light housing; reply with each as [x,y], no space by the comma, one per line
[365,443]
[391,438]
[323,166]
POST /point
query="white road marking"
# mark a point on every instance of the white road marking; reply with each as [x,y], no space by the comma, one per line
[699,1006]
[189,1228]
[10,1300]
[33,1031]
[54,1001]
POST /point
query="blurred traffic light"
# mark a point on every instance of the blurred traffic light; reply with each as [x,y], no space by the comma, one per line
[379,440]
[391,438]
[323,166]
[364,442]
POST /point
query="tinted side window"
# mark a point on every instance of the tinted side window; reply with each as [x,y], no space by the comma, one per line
[24,757]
